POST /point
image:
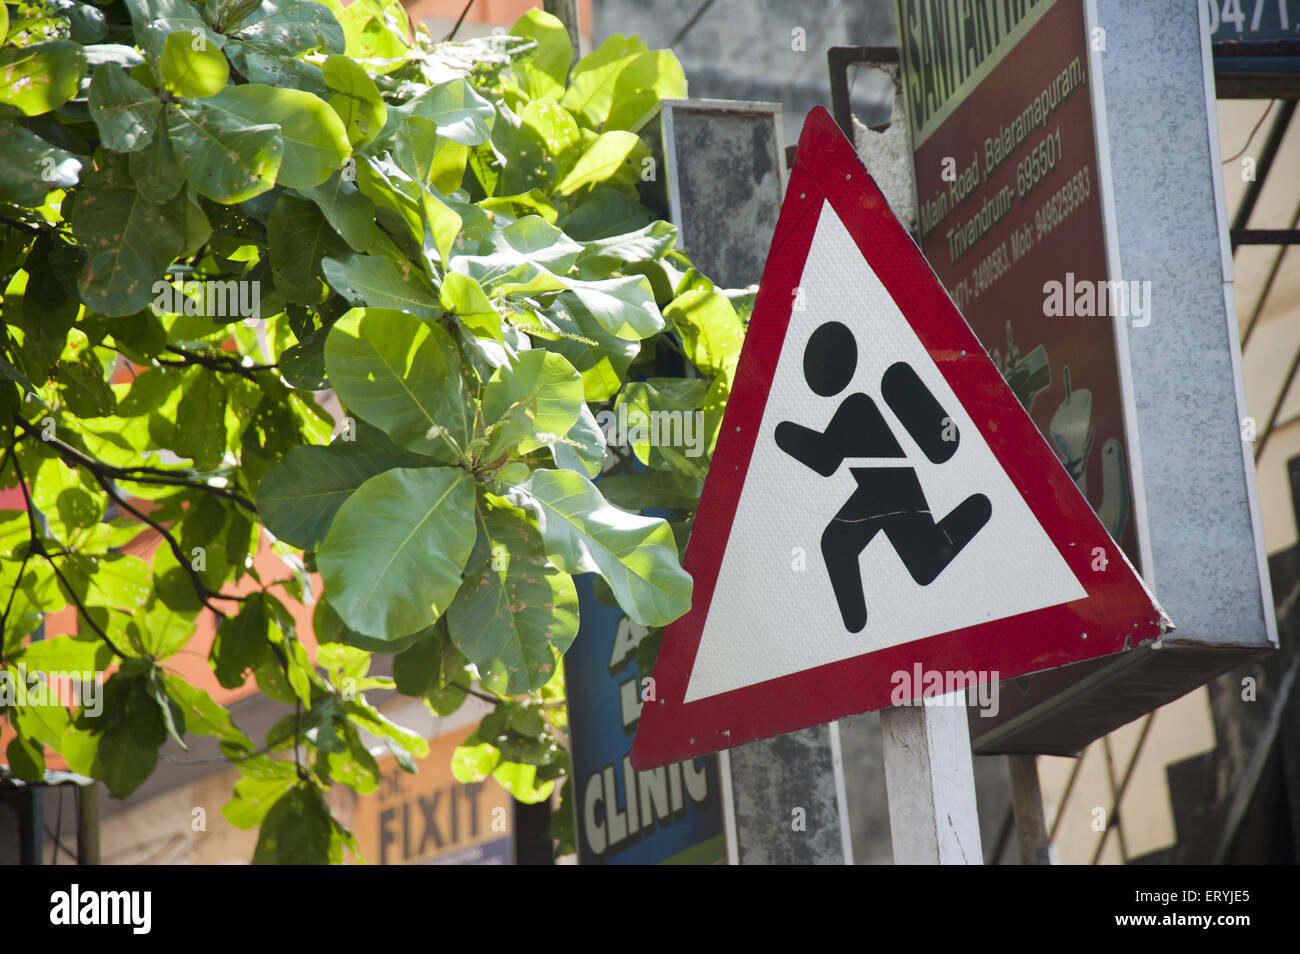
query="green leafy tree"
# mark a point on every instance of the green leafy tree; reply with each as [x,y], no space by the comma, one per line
[290,270]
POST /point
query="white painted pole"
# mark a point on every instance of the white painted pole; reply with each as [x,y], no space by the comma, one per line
[931,783]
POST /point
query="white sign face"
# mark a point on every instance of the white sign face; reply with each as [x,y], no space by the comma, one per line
[942,545]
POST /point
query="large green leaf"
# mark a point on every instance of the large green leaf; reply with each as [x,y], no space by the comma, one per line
[298,237]
[128,240]
[514,606]
[534,240]
[119,747]
[459,113]
[191,69]
[315,139]
[601,257]
[428,157]
[402,376]
[78,654]
[520,780]
[625,307]
[265,780]
[381,282]
[546,384]
[224,157]
[300,495]
[203,716]
[125,111]
[555,126]
[117,581]
[583,447]
[666,424]
[30,167]
[156,172]
[600,161]
[636,555]
[268,44]
[602,364]
[648,78]
[444,226]
[355,98]
[608,212]
[396,197]
[297,25]
[200,432]
[375,29]
[40,77]
[465,298]
[542,71]
[648,488]
[68,500]
[154,20]
[525,161]
[241,643]
[472,762]
[591,84]
[711,332]
[297,830]
[350,213]
[392,560]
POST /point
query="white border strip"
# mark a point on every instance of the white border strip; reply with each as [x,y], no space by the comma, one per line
[1216,159]
[841,792]
[728,808]
[1123,356]
[670,171]
[1234,332]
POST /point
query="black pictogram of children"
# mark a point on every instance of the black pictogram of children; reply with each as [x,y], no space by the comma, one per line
[889,499]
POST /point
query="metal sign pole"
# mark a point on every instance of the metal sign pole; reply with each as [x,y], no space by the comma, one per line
[1027,802]
[931,783]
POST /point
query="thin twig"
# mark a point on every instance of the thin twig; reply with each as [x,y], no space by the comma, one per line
[213,362]
[205,592]
[459,21]
[23,226]
[38,545]
[4,619]
[476,694]
[155,476]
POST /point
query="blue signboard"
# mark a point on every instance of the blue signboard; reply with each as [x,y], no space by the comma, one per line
[1253,20]
[672,815]
[1254,37]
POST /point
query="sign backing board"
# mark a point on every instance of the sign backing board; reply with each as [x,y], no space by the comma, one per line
[1011,219]
[931,530]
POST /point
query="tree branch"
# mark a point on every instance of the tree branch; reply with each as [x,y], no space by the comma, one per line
[37,545]
[204,592]
[4,619]
[478,695]
[24,227]
[212,362]
[137,475]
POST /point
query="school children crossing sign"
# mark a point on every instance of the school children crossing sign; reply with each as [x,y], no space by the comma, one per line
[879,502]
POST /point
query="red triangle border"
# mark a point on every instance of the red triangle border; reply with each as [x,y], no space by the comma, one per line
[1118,613]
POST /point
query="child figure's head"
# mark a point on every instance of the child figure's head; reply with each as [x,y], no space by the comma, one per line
[830,358]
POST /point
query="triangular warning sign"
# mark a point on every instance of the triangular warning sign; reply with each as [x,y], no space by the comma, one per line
[878,503]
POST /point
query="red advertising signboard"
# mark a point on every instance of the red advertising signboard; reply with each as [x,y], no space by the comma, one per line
[997,96]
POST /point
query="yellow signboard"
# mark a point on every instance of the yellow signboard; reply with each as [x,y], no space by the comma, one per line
[431,818]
